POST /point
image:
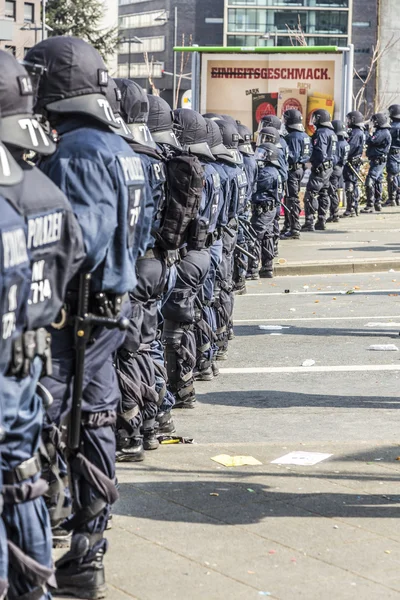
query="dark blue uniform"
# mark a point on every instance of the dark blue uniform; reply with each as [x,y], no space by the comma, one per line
[55,247]
[356,142]
[378,146]
[135,360]
[339,162]
[265,200]
[212,205]
[299,151]
[393,165]
[228,272]
[105,184]
[284,173]
[324,142]
[15,276]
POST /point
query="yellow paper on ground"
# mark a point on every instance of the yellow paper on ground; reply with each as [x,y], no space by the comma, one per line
[235,461]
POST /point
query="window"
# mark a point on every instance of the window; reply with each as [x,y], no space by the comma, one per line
[290,3]
[149,19]
[9,12]
[139,70]
[11,49]
[29,12]
[150,44]
[249,20]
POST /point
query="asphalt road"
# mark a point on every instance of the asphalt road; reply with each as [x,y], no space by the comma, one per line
[187,527]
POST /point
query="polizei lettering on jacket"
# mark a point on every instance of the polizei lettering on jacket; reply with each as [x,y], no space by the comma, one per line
[14,248]
[132,168]
[44,230]
[300,74]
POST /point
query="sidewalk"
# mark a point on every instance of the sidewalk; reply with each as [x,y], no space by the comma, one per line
[193,529]
[354,245]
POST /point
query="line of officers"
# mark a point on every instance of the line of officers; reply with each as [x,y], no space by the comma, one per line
[125,230]
[125,235]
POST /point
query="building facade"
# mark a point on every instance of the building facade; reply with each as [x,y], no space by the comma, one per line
[268,22]
[149,27]
[20,25]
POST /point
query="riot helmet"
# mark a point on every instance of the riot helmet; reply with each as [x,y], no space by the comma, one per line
[10,172]
[135,111]
[230,139]
[268,135]
[321,118]
[214,140]
[212,116]
[161,123]
[191,130]
[355,119]
[113,95]
[293,119]
[245,146]
[19,127]
[230,120]
[394,112]
[267,153]
[270,121]
[75,79]
[340,128]
[380,121]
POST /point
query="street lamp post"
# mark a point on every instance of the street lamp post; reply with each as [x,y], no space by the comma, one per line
[175,102]
[267,36]
[44,32]
[131,39]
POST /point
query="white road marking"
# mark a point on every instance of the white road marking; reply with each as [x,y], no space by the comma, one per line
[279,319]
[314,369]
[321,293]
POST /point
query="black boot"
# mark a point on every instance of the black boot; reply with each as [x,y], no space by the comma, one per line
[266,273]
[215,368]
[320,225]
[150,441]
[80,572]
[378,207]
[165,423]
[204,375]
[308,227]
[130,451]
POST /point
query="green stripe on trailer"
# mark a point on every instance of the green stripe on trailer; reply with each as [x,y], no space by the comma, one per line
[258,49]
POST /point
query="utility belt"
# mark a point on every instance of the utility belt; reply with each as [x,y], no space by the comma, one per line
[296,166]
[262,207]
[102,304]
[356,161]
[328,164]
[25,470]
[394,151]
[378,160]
[25,349]
[170,257]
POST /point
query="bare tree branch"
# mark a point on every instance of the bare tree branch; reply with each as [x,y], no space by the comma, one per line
[150,65]
[297,34]
[185,56]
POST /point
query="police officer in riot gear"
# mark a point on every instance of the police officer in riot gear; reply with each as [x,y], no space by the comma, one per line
[180,310]
[55,247]
[378,146]
[135,361]
[393,160]
[356,140]
[104,181]
[15,276]
[299,150]
[324,143]
[339,162]
[264,202]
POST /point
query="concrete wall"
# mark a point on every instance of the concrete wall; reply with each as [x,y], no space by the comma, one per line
[388,80]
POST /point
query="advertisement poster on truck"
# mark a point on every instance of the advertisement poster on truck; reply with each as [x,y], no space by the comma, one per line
[247,86]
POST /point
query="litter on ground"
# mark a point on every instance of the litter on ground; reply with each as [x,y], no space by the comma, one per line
[235,461]
[306,459]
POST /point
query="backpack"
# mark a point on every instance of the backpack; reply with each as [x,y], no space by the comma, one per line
[185,181]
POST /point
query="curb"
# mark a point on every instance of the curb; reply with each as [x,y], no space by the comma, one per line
[332,268]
